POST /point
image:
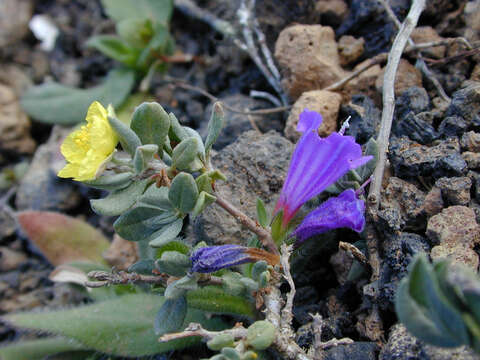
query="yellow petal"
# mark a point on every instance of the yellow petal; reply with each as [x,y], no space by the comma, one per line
[69,171]
[96,112]
[71,150]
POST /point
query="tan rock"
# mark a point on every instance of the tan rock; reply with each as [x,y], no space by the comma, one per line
[350,49]
[336,9]
[472,159]
[365,82]
[475,76]
[407,76]
[458,254]
[472,20]
[433,203]
[308,58]
[10,259]
[121,254]
[326,103]
[14,18]
[471,141]
[455,225]
[424,34]
[14,124]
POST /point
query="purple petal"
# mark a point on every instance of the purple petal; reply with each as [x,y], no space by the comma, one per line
[316,164]
[212,258]
[308,120]
[344,210]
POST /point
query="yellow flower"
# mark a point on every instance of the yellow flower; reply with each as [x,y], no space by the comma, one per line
[88,148]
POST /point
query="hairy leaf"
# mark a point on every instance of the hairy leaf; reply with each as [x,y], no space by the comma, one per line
[38,349]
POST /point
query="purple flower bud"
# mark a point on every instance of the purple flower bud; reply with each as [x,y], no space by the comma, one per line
[316,164]
[212,258]
[345,210]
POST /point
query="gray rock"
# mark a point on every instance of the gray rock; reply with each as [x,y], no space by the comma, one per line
[466,104]
[412,159]
[452,126]
[455,190]
[408,200]
[415,99]
[415,128]
[402,345]
[255,166]
[236,124]
[41,189]
[365,118]
[14,18]
[471,141]
[472,159]
[401,247]
[357,351]
[7,224]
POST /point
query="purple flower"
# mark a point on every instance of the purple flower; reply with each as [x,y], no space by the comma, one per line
[345,210]
[316,164]
[213,258]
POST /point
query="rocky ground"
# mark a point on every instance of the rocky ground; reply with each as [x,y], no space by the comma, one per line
[431,190]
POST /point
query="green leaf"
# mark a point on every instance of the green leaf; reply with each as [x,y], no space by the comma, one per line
[151,123]
[173,263]
[178,246]
[114,47]
[144,267]
[137,32]
[183,192]
[204,183]
[155,10]
[111,182]
[143,155]
[260,334]
[160,43]
[262,216]
[127,137]
[141,222]
[203,200]
[121,327]
[416,320]
[119,201]
[125,111]
[185,153]
[166,234]
[156,197]
[171,316]
[214,299]
[215,126]
[177,131]
[220,341]
[230,353]
[58,104]
[61,238]
[38,349]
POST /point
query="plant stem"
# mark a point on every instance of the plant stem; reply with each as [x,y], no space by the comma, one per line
[263,235]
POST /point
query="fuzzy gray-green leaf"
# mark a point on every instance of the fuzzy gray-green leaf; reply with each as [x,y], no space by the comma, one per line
[171,316]
[167,233]
[119,201]
[214,299]
[151,123]
[111,182]
[121,326]
[262,216]
[143,155]
[127,137]
[38,349]
[215,126]
[183,192]
[185,153]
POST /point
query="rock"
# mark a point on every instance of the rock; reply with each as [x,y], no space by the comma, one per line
[14,18]
[308,58]
[472,20]
[411,159]
[364,84]
[401,248]
[367,19]
[452,126]
[402,345]
[16,78]
[424,34]
[236,124]
[359,350]
[306,302]
[455,225]
[414,99]
[341,263]
[456,232]
[475,75]
[466,104]
[350,49]
[14,124]
[415,128]
[332,12]
[408,200]
[475,177]
[40,188]
[455,190]
[10,259]
[7,224]
[121,254]
[255,165]
[433,203]
[326,103]
[407,76]
[471,141]
[364,118]
[472,159]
